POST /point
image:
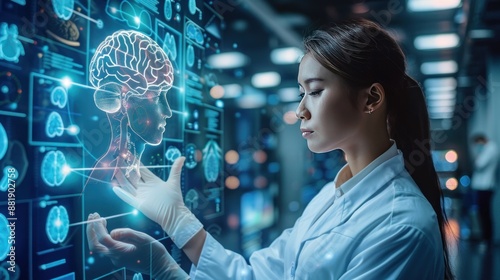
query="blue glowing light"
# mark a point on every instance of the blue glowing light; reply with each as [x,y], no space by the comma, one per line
[465,181]
[73,129]
[57,225]
[190,56]
[167,10]
[219,103]
[4,233]
[4,141]
[10,46]
[137,276]
[54,126]
[91,260]
[59,97]
[53,168]
[5,177]
[63,8]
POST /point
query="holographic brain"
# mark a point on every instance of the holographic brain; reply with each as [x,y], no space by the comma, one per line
[128,63]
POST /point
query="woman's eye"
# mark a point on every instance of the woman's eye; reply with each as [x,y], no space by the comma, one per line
[301,95]
[315,92]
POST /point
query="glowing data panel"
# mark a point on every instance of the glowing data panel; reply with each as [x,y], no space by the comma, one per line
[57,225]
[53,168]
[192,154]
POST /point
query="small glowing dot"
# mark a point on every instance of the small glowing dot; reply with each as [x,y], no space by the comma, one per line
[451,156]
[290,117]
[135,212]
[73,129]
[186,114]
[66,169]
[113,10]
[451,184]
[219,103]
[137,20]
[43,203]
[217,92]
[66,82]
[232,157]
[58,222]
[232,182]
[91,260]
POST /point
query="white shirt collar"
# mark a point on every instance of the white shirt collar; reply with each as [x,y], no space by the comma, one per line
[349,184]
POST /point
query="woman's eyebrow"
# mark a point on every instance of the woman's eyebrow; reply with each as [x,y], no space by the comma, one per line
[310,80]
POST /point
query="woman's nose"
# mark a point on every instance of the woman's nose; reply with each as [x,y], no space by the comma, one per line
[302,113]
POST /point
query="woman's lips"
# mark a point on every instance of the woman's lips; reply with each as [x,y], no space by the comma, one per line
[306,132]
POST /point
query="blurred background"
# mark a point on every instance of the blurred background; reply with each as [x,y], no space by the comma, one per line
[452,50]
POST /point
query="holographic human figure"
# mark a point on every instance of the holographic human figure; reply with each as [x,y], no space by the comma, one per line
[211,160]
[10,46]
[131,74]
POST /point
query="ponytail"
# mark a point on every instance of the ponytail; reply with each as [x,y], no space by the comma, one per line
[409,127]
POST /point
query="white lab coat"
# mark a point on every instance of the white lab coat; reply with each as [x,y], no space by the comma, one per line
[485,168]
[377,225]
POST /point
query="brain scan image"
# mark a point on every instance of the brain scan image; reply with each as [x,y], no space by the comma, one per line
[167,10]
[194,33]
[57,225]
[172,154]
[191,161]
[169,46]
[211,160]
[190,56]
[191,199]
[54,126]
[4,233]
[59,97]
[131,75]
[52,168]
[63,8]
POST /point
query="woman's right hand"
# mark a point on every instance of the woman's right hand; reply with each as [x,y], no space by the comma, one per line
[132,249]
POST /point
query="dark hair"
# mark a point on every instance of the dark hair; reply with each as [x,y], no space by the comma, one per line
[362,53]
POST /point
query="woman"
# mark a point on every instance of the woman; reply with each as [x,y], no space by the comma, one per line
[381,217]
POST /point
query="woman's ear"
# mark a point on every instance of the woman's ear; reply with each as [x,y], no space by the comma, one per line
[375,97]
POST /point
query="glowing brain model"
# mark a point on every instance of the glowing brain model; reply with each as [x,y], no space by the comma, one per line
[128,63]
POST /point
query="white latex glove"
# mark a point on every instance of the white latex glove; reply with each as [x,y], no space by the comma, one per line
[161,201]
[132,249]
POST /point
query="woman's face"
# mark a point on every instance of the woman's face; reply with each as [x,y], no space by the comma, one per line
[147,116]
[329,120]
